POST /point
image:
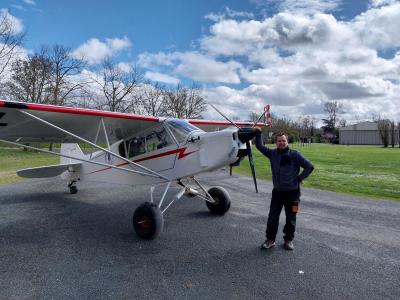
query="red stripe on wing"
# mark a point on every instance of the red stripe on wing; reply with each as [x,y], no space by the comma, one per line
[224,123]
[77,111]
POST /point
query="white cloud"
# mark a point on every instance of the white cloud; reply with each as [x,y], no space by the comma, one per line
[228,13]
[95,51]
[29,2]
[378,28]
[159,77]
[295,60]
[148,60]
[125,67]
[379,3]
[117,44]
[203,68]
[284,30]
[18,53]
[308,6]
[19,7]
[16,24]
[194,65]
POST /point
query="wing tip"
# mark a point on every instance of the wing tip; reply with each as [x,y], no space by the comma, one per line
[10,104]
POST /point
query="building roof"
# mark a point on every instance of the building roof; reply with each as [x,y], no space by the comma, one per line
[361,126]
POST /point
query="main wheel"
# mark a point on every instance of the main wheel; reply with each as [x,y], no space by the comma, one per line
[222,201]
[148,221]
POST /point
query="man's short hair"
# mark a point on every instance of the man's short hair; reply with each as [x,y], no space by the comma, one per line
[279,134]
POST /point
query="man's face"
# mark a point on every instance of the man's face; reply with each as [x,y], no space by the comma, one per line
[281,142]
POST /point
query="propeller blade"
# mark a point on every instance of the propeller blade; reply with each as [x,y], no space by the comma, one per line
[225,117]
[255,123]
[253,172]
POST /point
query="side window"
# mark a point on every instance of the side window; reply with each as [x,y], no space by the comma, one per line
[136,146]
[157,139]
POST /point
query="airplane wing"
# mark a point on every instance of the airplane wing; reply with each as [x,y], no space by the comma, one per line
[208,125]
[17,123]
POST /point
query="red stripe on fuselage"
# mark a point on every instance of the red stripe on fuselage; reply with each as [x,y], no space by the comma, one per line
[181,152]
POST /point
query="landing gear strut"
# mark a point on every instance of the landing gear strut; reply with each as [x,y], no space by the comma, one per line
[148,221]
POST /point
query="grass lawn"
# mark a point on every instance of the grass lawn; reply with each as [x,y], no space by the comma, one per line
[367,171]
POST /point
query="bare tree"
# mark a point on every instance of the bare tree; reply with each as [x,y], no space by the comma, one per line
[83,97]
[185,102]
[333,109]
[306,125]
[392,133]
[63,68]
[384,128]
[118,87]
[30,79]
[235,118]
[196,103]
[398,132]
[342,123]
[253,117]
[151,99]
[281,124]
[9,40]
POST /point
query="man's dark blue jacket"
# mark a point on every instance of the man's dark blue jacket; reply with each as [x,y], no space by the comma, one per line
[285,166]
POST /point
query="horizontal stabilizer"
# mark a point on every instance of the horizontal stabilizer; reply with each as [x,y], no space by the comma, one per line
[47,171]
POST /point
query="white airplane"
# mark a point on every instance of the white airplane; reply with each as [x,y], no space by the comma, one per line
[131,150]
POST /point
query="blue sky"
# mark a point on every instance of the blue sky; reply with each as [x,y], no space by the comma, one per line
[152,26]
[293,54]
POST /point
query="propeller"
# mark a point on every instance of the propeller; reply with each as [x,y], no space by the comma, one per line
[245,134]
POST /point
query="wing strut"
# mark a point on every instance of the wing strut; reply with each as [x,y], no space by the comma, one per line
[96,146]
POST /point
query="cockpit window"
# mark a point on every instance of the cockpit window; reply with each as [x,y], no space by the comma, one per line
[151,140]
[180,129]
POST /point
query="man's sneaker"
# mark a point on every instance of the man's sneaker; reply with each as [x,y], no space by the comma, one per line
[268,244]
[288,245]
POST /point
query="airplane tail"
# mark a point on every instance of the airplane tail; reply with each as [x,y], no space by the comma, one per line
[66,164]
[70,149]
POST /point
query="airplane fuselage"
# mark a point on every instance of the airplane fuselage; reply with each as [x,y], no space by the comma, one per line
[199,152]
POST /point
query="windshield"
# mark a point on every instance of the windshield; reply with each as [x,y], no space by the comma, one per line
[181,128]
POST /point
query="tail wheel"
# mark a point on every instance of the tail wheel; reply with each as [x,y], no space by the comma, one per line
[73,189]
[222,201]
[148,221]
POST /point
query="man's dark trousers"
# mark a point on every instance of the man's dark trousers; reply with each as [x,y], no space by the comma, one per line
[290,200]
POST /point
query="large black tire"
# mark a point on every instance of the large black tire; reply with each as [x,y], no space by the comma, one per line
[222,201]
[148,221]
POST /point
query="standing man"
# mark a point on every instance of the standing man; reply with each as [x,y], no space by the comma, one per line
[286,178]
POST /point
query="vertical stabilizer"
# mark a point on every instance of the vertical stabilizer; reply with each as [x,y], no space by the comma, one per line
[70,149]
